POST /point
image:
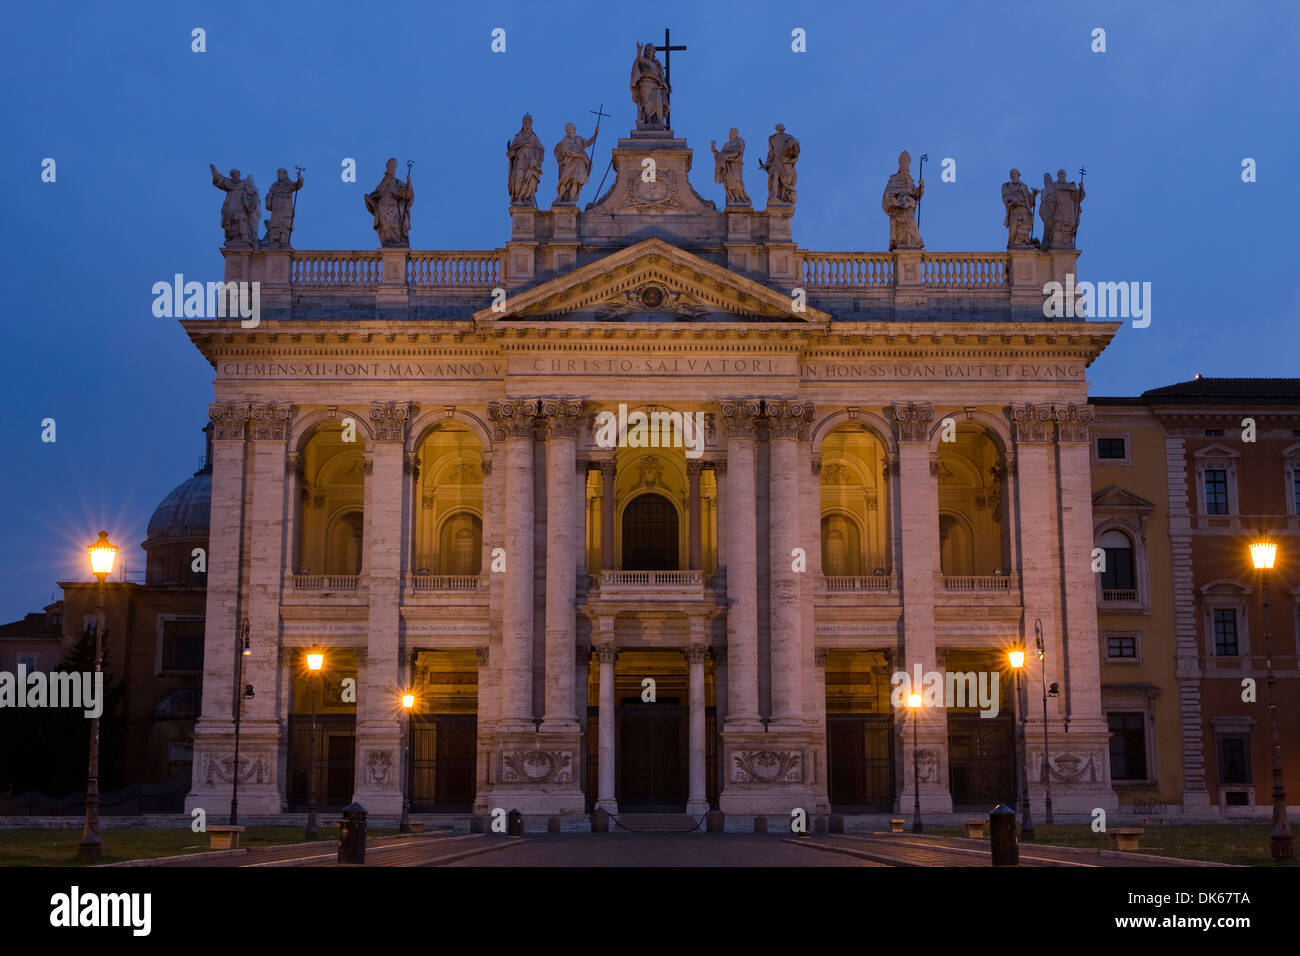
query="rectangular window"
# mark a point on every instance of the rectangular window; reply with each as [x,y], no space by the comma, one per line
[1225,632]
[1216,491]
[1214,433]
[1121,646]
[1295,489]
[30,660]
[1234,758]
[1110,448]
[1128,745]
[182,646]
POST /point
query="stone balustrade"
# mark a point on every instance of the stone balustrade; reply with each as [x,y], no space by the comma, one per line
[335,270]
[326,582]
[980,582]
[879,583]
[446,582]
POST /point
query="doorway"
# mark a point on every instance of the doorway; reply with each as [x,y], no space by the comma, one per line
[651,744]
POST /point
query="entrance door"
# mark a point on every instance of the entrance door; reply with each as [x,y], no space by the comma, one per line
[979,761]
[443,752]
[651,747]
[339,776]
[861,764]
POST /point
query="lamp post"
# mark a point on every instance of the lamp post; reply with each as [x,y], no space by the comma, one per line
[1262,555]
[914,701]
[241,692]
[91,850]
[315,662]
[1026,818]
[408,701]
[1047,765]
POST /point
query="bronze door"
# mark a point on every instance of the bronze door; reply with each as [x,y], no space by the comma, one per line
[651,748]
[861,762]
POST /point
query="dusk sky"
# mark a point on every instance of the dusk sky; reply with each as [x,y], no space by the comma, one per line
[132,117]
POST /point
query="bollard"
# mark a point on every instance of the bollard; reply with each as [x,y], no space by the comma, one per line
[760,824]
[836,823]
[478,824]
[352,834]
[515,823]
[715,821]
[1002,836]
[600,821]
[553,824]
[819,824]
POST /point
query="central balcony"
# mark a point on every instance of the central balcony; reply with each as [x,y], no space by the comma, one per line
[447,589]
[650,586]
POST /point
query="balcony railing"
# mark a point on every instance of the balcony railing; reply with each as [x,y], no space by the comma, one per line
[878,583]
[848,270]
[877,270]
[454,270]
[448,582]
[651,578]
[978,582]
[326,582]
[1119,595]
[335,270]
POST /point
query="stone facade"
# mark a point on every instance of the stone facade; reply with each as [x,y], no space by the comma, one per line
[406,462]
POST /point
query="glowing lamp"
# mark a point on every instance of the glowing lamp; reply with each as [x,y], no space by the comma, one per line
[1017,659]
[913,700]
[1262,554]
[315,660]
[102,553]
[408,701]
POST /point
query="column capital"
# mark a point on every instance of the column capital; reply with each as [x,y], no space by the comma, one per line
[739,416]
[817,464]
[482,653]
[388,420]
[719,466]
[606,653]
[606,466]
[411,465]
[696,653]
[911,421]
[562,417]
[788,418]
[1031,423]
[228,420]
[513,418]
[819,656]
[1074,422]
[269,421]
[694,468]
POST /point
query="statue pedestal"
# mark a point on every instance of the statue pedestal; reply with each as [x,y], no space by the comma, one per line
[523,221]
[391,298]
[909,289]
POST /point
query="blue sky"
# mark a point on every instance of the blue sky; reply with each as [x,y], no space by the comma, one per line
[113,93]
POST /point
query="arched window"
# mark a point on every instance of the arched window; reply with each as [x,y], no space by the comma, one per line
[461,550]
[650,541]
[1118,573]
[956,550]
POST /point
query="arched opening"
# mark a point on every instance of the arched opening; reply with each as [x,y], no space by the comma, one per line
[841,547]
[460,547]
[956,549]
[448,532]
[973,530]
[854,504]
[331,504]
[650,535]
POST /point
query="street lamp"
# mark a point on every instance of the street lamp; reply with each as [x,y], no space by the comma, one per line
[408,701]
[914,701]
[1262,555]
[1047,765]
[1026,818]
[90,850]
[315,662]
[241,691]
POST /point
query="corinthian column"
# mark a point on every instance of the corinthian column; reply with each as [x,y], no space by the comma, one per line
[696,655]
[738,419]
[562,419]
[512,422]
[785,421]
[693,469]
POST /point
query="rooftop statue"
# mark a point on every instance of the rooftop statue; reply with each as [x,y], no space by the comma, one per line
[650,89]
[525,154]
[1019,201]
[728,168]
[240,209]
[573,162]
[1060,211]
[390,204]
[899,204]
[280,204]
[782,153]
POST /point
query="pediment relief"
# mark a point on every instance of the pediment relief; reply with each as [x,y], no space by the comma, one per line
[1216,451]
[651,281]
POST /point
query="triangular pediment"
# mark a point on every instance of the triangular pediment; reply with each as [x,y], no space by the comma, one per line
[1116,498]
[652,281]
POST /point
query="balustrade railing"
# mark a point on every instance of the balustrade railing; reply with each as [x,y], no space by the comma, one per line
[979,582]
[964,270]
[679,578]
[326,582]
[448,582]
[454,270]
[848,270]
[335,270]
[1119,595]
[880,583]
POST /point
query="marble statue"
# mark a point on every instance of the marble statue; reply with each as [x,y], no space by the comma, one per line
[649,89]
[728,168]
[899,203]
[573,162]
[390,204]
[525,153]
[782,153]
[1060,211]
[280,204]
[240,209]
[1019,201]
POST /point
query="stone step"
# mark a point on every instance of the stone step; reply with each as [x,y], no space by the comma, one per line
[656,822]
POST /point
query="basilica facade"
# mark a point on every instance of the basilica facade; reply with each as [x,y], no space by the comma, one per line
[412,472]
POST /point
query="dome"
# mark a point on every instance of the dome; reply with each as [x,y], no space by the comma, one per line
[184,512]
